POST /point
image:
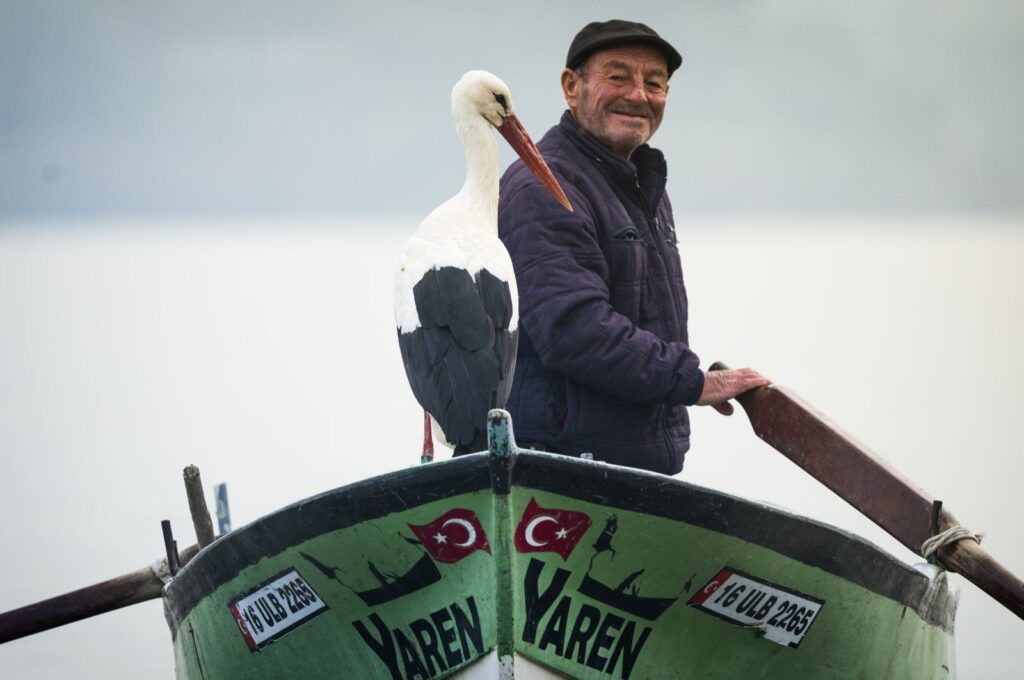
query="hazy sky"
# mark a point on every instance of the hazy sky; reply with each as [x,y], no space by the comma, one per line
[127,352]
[341,108]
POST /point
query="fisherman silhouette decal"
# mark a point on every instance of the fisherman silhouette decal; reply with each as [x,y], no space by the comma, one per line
[431,642]
[608,627]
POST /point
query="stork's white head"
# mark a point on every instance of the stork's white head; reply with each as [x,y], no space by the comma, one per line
[479,93]
[482,94]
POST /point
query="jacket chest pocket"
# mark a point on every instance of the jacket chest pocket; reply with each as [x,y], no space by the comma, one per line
[628,271]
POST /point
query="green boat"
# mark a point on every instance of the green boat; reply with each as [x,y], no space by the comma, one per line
[518,564]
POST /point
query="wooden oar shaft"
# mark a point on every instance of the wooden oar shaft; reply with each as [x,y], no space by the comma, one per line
[843,464]
[973,562]
[138,586]
[870,485]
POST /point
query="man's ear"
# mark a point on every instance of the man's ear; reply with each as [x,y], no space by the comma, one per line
[571,84]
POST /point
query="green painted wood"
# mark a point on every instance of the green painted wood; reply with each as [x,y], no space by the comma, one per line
[586,569]
[857,634]
[502,452]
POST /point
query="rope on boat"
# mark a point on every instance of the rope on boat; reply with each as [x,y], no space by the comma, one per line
[948,537]
[161,570]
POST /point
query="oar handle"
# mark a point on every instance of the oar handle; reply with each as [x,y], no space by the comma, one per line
[138,586]
[869,484]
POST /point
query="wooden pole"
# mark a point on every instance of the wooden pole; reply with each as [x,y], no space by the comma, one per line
[197,506]
[138,586]
[869,484]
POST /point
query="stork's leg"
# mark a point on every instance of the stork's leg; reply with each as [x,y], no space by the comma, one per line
[428,440]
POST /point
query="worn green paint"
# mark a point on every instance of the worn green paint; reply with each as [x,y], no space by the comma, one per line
[857,634]
[330,640]
[502,448]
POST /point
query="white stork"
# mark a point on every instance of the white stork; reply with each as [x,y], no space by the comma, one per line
[456,303]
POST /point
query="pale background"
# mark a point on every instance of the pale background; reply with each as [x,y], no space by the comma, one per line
[201,205]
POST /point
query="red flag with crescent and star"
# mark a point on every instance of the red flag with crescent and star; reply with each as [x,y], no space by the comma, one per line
[550,530]
[453,535]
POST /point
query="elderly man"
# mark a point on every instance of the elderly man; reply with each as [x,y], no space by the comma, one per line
[604,364]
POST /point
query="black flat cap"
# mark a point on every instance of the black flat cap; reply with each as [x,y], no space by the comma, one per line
[599,35]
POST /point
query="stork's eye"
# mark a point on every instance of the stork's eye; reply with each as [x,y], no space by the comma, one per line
[500,98]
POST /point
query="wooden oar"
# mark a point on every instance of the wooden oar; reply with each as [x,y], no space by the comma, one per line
[138,586]
[869,484]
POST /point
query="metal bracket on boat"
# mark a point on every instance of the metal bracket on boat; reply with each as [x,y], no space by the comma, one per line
[936,511]
[171,546]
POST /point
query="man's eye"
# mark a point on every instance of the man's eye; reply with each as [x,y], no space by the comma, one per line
[617,79]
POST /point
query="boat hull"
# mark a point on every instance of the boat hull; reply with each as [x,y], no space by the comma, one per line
[518,564]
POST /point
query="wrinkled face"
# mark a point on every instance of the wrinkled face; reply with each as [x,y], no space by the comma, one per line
[620,97]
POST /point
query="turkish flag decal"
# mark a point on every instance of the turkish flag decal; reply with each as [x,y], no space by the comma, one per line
[453,535]
[549,530]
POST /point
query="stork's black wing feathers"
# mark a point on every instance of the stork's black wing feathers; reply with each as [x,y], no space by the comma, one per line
[448,297]
[498,302]
[461,359]
[496,298]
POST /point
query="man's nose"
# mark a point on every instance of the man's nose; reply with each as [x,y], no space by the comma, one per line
[637,92]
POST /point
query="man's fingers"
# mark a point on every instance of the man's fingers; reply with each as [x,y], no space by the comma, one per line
[727,383]
[747,378]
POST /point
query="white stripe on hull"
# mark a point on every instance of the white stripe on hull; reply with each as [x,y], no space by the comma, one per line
[488,668]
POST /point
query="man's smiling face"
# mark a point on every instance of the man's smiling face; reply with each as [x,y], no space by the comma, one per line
[620,96]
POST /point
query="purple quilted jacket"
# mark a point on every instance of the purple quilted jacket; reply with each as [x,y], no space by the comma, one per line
[604,365]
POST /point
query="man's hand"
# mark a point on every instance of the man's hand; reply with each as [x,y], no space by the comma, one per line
[721,386]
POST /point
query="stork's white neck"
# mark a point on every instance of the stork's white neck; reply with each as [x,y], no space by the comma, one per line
[481,185]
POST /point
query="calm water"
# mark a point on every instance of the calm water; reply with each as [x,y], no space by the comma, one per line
[266,355]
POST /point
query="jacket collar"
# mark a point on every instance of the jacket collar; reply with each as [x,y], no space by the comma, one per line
[647,165]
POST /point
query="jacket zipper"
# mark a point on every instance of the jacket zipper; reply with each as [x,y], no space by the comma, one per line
[652,215]
[658,237]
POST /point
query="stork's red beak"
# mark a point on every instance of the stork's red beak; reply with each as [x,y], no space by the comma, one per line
[514,133]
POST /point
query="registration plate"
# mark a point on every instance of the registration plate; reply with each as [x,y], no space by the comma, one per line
[782,614]
[274,608]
